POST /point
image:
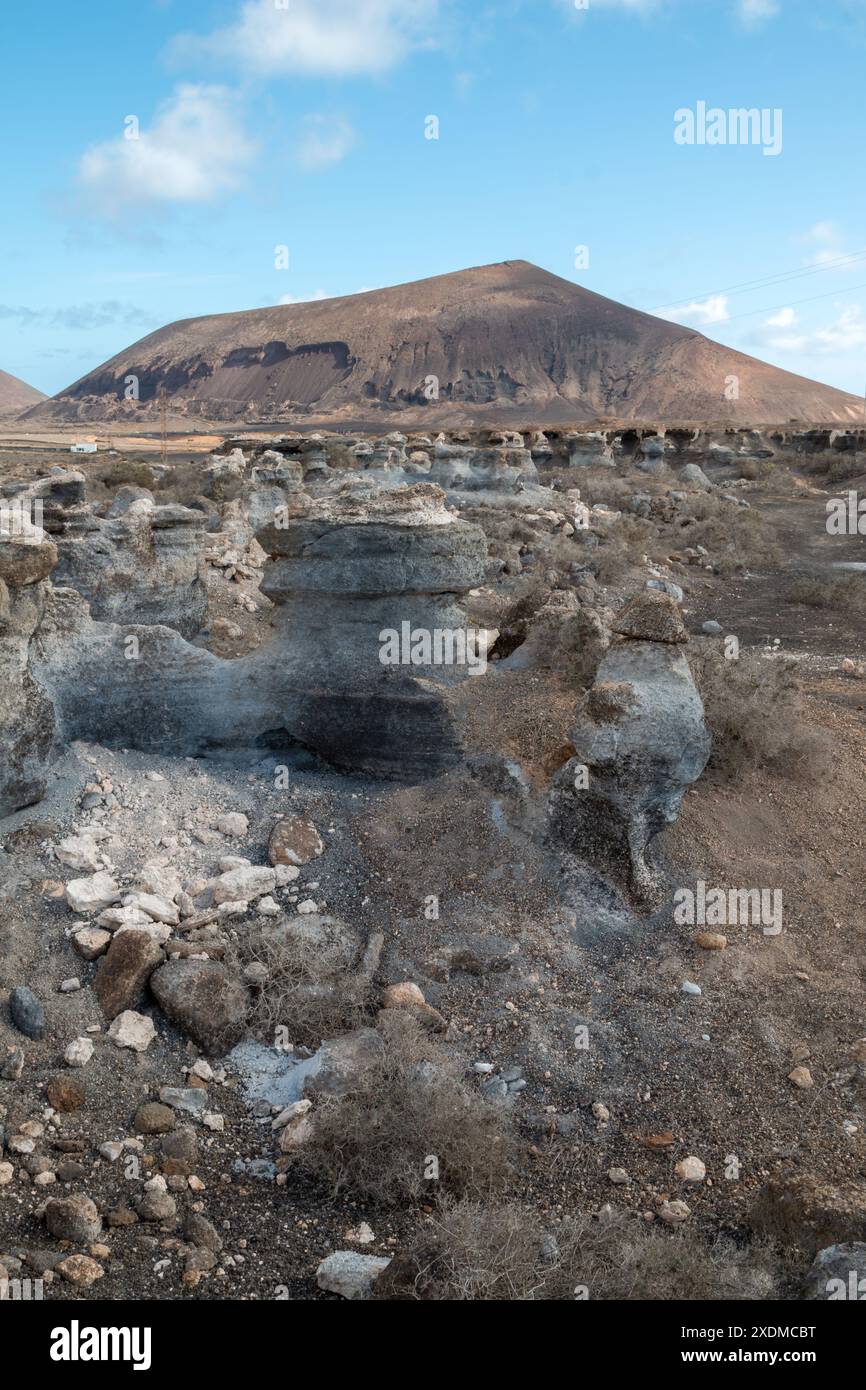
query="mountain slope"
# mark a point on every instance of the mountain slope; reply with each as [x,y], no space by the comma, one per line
[16,395]
[502,342]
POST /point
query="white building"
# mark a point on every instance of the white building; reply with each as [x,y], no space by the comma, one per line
[83,448]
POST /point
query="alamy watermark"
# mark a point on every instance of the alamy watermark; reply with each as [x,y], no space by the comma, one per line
[703,906]
[421,646]
[21,520]
[846,516]
[712,125]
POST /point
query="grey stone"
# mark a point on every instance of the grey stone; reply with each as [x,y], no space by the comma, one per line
[205,999]
[837,1273]
[27,1013]
[350,1274]
[642,736]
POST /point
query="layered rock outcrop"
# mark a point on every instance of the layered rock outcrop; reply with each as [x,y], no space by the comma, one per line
[640,741]
[140,564]
[26,714]
[343,571]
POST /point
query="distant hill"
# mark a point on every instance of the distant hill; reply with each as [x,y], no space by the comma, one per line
[16,395]
[503,343]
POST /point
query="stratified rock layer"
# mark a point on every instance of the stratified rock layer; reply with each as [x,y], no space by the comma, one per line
[642,739]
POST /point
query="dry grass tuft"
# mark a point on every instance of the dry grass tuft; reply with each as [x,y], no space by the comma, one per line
[476,1253]
[756,713]
[410,1128]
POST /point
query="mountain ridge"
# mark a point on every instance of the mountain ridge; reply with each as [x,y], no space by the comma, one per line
[492,343]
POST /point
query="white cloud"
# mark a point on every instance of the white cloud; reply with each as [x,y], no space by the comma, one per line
[304,299]
[849,331]
[325,141]
[699,314]
[319,37]
[751,13]
[195,151]
[754,13]
[831,252]
[845,334]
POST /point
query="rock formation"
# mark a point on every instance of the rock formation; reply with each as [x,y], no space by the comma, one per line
[640,741]
[140,564]
[26,713]
[344,571]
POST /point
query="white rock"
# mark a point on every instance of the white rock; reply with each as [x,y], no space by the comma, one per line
[234,824]
[92,894]
[212,1119]
[79,1052]
[689,987]
[308,905]
[291,1112]
[362,1236]
[691,1169]
[286,874]
[157,931]
[234,861]
[244,885]
[91,942]
[349,1274]
[233,909]
[156,908]
[70,986]
[114,917]
[674,1213]
[132,1030]
[159,880]
[268,907]
[111,1150]
[78,852]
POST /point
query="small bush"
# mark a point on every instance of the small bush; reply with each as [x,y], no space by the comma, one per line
[845,593]
[734,536]
[409,1112]
[756,714]
[476,1253]
[135,472]
[296,994]
[629,539]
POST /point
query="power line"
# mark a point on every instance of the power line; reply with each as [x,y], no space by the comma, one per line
[792,304]
[768,280]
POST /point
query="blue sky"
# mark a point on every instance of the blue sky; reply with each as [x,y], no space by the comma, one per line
[301,123]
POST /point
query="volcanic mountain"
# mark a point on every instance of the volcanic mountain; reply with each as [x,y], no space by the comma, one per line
[16,395]
[507,343]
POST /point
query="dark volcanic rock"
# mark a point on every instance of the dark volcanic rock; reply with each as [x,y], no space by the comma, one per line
[27,1013]
[205,999]
[124,971]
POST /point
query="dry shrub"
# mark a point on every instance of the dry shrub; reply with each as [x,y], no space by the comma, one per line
[471,1252]
[734,536]
[756,713]
[183,482]
[297,996]
[756,469]
[845,467]
[844,593]
[341,458]
[628,540]
[405,1110]
[134,472]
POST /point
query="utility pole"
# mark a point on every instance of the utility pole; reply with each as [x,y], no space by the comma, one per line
[162,417]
